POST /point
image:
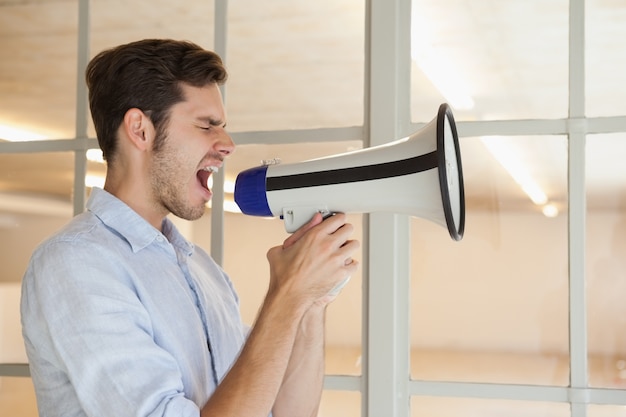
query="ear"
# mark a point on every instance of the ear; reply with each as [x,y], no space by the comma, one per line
[138,129]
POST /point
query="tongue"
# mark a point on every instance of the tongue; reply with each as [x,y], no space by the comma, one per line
[203,177]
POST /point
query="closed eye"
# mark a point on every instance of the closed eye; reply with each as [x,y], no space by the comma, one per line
[207,122]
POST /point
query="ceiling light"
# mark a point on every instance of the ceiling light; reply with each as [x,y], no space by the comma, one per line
[94,181]
[14,134]
[550,210]
[438,67]
[510,161]
[35,204]
[229,186]
[95,155]
[229,206]
[443,77]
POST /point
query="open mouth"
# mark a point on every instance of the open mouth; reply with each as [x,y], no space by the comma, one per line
[204,176]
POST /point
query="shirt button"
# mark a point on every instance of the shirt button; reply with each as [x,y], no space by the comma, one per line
[159,238]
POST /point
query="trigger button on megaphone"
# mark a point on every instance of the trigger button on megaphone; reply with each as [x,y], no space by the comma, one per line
[272,161]
[325,213]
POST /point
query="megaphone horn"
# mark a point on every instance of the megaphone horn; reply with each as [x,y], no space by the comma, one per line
[420,175]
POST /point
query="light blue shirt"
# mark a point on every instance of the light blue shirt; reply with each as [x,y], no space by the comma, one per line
[120,319]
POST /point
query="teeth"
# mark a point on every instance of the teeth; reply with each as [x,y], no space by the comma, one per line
[211,169]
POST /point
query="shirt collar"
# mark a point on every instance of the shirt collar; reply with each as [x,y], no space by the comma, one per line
[118,216]
[176,238]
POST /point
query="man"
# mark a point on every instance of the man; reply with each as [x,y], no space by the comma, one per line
[121,315]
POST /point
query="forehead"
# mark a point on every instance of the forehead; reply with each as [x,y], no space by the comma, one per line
[201,102]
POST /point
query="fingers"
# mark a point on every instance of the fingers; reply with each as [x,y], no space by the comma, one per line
[333,223]
[315,259]
[317,219]
[330,225]
[345,253]
[336,233]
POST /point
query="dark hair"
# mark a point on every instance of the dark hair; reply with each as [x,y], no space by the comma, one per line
[147,75]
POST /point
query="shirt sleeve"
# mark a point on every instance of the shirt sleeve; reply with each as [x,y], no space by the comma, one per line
[90,342]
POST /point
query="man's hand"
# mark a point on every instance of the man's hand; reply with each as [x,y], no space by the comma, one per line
[314,260]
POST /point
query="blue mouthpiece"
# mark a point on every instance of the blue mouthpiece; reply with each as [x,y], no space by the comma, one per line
[250,194]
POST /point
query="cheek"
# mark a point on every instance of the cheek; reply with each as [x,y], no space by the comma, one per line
[171,167]
[180,158]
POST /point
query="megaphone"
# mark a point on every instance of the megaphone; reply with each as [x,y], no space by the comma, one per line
[420,175]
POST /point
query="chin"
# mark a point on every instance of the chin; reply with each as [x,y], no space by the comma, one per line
[196,214]
[189,213]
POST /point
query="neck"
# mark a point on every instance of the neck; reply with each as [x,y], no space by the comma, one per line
[136,194]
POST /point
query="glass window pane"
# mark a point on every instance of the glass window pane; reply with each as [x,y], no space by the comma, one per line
[457,407]
[606,411]
[17,397]
[479,57]
[605,249]
[605,65]
[345,359]
[35,194]
[47,175]
[295,65]
[344,323]
[35,200]
[115,22]
[340,404]
[38,70]
[11,344]
[245,260]
[96,169]
[494,307]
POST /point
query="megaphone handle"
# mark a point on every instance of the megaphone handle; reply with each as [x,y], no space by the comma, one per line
[337,288]
[297,217]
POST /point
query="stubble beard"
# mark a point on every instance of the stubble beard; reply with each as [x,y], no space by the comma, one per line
[168,187]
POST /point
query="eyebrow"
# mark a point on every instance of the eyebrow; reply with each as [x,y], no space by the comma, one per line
[212,121]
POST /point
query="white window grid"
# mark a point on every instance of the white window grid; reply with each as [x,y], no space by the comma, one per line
[385,384]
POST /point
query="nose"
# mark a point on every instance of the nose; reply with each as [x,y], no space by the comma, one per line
[225,145]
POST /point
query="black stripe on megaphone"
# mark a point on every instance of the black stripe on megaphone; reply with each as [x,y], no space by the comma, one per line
[354,174]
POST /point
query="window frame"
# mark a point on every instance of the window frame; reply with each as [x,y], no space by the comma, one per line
[385,385]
